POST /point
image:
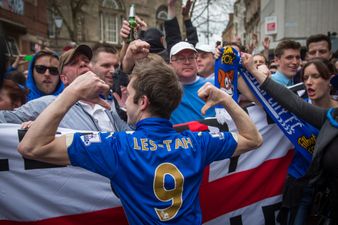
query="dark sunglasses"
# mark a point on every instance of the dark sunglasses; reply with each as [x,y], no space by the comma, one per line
[42,69]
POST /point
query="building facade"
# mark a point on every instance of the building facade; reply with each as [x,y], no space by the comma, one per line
[251,21]
[298,19]
[99,21]
[57,23]
[229,32]
[285,19]
[24,23]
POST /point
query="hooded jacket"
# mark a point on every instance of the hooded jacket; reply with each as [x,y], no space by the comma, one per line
[34,92]
[153,37]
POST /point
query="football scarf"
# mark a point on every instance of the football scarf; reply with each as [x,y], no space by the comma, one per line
[226,77]
[301,134]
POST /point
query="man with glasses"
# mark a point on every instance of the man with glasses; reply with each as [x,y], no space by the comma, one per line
[83,115]
[43,75]
[183,59]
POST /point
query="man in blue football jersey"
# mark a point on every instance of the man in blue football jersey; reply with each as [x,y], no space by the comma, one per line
[155,170]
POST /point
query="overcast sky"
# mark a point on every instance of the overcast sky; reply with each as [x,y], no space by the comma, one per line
[218,19]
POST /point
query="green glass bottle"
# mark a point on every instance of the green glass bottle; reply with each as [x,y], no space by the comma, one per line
[132,23]
[28,58]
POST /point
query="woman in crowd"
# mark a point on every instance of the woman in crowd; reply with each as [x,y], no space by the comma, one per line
[316,76]
[323,172]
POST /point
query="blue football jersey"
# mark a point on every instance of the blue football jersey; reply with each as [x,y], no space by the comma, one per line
[155,170]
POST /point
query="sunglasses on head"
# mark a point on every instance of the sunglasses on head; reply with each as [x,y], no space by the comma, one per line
[42,69]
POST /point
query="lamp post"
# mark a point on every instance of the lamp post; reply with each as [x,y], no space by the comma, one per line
[58,24]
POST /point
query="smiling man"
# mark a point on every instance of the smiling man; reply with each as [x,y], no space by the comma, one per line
[287,56]
[105,62]
[183,59]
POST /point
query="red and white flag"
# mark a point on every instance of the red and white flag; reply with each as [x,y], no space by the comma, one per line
[244,190]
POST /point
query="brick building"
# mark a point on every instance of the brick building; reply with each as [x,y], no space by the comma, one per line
[99,21]
[26,22]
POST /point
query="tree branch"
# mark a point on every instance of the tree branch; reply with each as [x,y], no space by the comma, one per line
[205,8]
[78,5]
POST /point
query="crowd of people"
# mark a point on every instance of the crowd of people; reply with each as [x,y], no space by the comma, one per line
[132,98]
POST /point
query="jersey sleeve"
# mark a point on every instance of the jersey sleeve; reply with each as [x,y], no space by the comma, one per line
[217,145]
[95,152]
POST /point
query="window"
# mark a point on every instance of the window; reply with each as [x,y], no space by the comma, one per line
[110,12]
[11,47]
[17,6]
[111,4]
[109,28]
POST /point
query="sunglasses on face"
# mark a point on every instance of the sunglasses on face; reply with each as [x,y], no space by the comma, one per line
[42,69]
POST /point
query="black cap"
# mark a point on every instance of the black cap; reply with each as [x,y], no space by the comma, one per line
[153,37]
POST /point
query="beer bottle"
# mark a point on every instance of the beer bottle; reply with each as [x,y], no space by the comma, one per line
[132,23]
[28,58]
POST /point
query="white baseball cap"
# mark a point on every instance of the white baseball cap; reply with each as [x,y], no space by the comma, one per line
[205,48]
[180,46]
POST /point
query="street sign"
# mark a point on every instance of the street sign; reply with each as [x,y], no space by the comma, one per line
[270,25]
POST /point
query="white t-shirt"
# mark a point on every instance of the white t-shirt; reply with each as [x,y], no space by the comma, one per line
[99,114]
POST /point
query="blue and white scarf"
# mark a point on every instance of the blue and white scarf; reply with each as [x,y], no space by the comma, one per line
[226,77]
[301,134]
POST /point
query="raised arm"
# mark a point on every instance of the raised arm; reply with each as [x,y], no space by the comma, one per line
[191,31]
[124,33]
[40,142]
[266,46]
[171,26]
[136,50]
[253,43]
[125,30]
[18,61]
[248,135]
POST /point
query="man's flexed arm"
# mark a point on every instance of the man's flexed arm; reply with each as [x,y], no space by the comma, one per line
[39,142]
[248,135]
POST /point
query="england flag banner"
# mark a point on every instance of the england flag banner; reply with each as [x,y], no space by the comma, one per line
[244,190]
